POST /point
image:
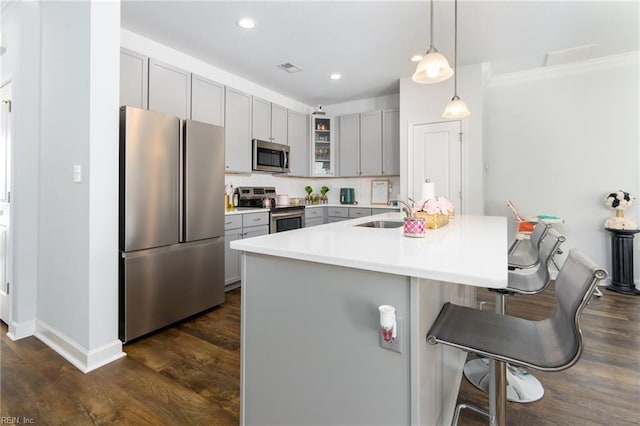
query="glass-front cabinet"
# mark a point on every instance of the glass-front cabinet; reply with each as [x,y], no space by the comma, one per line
[322,146]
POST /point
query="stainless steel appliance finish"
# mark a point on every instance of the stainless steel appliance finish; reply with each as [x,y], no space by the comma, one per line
[171,220]
[286,219]
[282,218]
[269,156]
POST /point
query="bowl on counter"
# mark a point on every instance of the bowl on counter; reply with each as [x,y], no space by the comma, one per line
[283,200]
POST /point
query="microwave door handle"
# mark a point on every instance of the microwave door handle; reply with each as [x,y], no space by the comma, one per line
[286,159]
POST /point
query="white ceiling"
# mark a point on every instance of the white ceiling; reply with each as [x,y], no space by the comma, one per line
[370,42]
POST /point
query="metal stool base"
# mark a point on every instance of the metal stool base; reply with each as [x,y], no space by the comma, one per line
[522,386]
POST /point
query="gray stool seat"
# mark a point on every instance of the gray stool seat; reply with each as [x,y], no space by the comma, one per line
[552,344]
[524,254]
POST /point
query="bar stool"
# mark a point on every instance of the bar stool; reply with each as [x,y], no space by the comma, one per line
[524,254]
[552,344]
[521,385]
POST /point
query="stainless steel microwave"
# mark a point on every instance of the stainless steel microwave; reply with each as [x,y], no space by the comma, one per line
[270,157]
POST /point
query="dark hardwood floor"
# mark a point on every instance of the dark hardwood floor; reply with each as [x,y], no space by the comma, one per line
[190,374]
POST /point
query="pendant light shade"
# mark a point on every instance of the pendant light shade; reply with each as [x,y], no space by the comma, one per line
[456,108]
[433,67]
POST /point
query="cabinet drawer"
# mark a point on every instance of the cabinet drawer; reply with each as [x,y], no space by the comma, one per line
[359,211]
[338,212]
[232,221]
[314,212]
[254,219]
[255,231]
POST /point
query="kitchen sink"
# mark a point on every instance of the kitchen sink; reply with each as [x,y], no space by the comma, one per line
[381,224]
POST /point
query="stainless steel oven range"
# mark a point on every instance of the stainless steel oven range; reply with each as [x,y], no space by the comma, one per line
[282,218]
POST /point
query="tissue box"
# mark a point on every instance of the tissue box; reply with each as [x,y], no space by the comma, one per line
[434,221]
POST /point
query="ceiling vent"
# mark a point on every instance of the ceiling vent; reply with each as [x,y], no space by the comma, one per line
[289,67]
[565,56]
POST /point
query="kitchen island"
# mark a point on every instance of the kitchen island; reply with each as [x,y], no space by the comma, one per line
[310,325]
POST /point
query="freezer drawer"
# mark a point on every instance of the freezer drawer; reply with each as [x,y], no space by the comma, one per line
[161,286]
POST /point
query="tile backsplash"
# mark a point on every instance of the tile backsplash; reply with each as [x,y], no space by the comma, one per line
[294,186]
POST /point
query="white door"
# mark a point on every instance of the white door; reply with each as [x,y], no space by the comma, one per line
[5,198]
[436,154]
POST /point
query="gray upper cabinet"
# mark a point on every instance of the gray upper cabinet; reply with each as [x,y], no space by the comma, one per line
[261,123]
[237,131]
[371,143]
[169,89]
[269,121]
[298,141]
[391,142]
[278,124]
[207,101]
[134,74]
[349,145]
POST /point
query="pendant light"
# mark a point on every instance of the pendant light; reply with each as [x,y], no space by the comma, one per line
[433,67]
[456,108]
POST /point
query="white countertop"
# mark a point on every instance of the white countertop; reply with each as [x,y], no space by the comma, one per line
[243,210]
[469,250]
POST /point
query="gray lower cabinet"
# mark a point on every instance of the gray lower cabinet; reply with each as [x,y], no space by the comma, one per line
[378,210]
[314,216]
[169,89]
[298,141]
[134,83]
[336,214]
[237,131]
[236,227]
[359,212]
[207,101]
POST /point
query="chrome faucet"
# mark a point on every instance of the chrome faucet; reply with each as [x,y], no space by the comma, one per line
[405,206]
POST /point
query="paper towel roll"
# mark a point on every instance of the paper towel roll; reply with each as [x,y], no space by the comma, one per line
[428,190]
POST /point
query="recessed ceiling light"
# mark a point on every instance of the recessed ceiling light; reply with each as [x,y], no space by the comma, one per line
[416,58]
[335,76]
[246,23]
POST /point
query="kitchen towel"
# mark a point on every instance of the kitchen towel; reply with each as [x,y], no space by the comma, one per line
[428,190]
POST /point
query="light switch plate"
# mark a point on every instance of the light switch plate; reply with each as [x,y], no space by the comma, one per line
[77,173]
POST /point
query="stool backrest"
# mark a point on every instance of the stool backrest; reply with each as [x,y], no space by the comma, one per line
[548,247]
[575,285]
[539,232]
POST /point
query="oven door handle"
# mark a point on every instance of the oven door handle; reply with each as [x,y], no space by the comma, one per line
[287,214]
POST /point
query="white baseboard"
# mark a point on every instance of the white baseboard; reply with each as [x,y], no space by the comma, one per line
[82,359]
[20,330]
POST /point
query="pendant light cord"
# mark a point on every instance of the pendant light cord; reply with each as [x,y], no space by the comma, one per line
[455,47]
[431,26]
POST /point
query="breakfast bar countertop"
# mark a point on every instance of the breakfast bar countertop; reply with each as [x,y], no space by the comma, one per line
[470,250]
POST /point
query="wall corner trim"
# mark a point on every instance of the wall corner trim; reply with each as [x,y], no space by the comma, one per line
[543,73]
[20,330]
[82,359]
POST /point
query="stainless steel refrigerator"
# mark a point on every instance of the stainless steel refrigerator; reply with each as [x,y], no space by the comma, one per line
[171,220]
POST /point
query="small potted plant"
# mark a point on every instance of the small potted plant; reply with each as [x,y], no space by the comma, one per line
[324,199]
[309,190]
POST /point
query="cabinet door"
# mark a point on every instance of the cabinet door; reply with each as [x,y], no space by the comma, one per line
[255,231]
[261,123]
[134,74]
[237,131]
[298,140]
[371,143]
[207,101]
[169,89]
[278,124]
[391,142]
[349,145]
[231,257]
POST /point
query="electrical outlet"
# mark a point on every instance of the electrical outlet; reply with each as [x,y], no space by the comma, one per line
[396,344]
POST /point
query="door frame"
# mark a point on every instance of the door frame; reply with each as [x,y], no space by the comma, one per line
[410,154]
[6,85]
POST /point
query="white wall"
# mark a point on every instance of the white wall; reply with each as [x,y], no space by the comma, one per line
[78,276]
[363,105]
[424,103]
[20,64]
[559,139]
